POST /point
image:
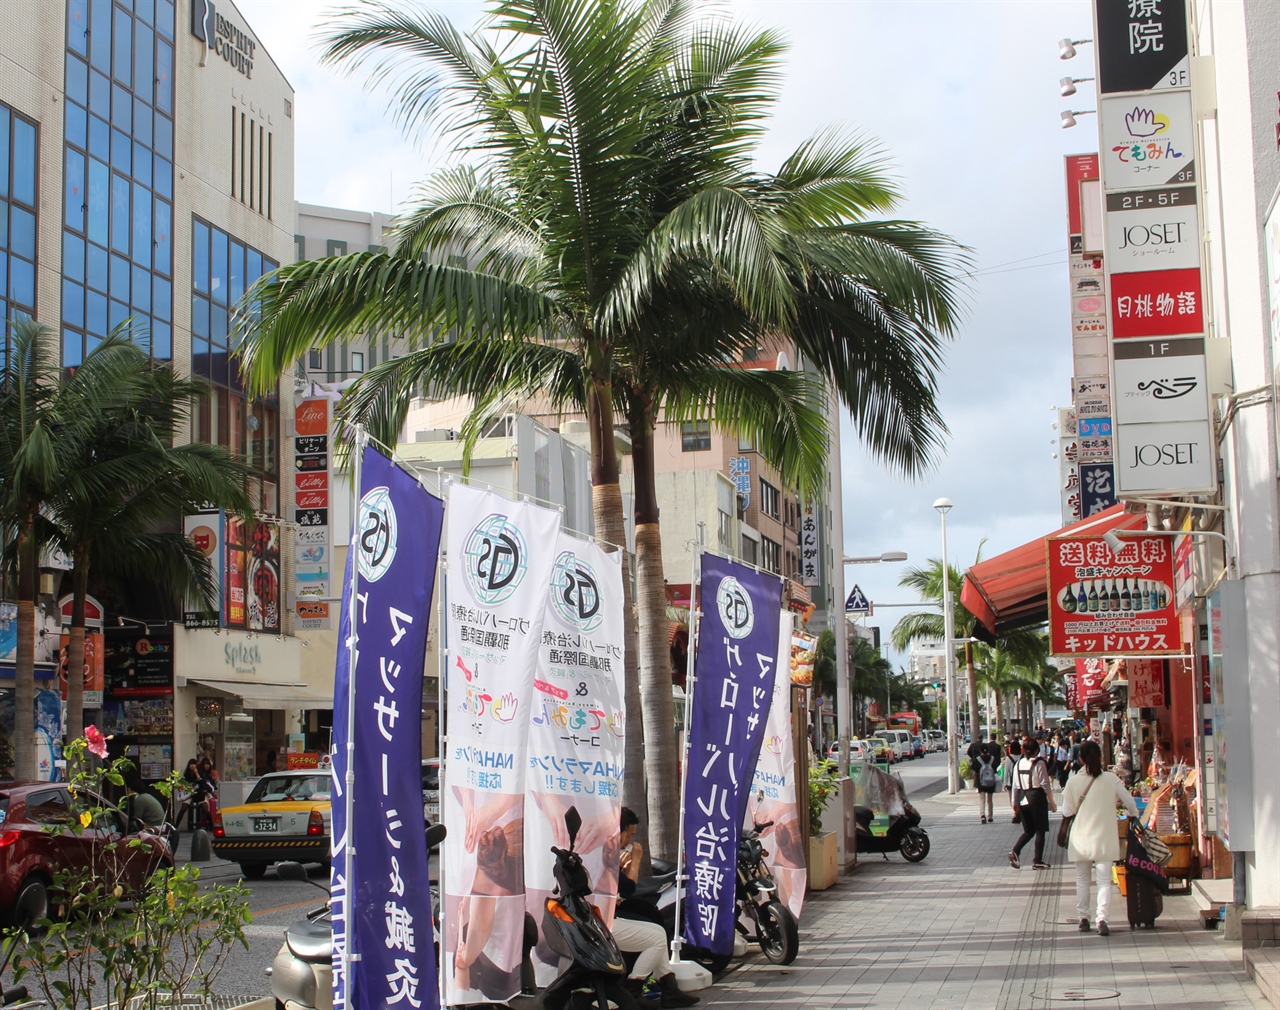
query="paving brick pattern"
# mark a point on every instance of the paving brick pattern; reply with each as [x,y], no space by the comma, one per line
[964,931]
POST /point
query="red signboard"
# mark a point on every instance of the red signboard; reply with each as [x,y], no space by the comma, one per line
[1089,675]
[1146,683]
[305,759]
[1156,303]
[312,499]
[1112,603]
[311,481]
[312,417]
[94,670]
[1079,168]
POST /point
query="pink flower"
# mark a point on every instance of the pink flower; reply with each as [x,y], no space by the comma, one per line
[97,742]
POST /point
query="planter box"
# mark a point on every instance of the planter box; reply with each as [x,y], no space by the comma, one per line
[824,853]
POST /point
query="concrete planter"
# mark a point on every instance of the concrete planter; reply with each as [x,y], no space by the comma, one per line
[824,852]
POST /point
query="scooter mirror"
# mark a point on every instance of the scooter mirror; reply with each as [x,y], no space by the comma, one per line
[573,824]
[435,835]
[292,871]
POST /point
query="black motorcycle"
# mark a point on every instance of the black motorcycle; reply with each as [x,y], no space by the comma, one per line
[755,899]
[904,835]
[574,930]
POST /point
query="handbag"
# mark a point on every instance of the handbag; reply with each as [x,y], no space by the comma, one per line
[1158,851]
[1064,829]
[1138,863]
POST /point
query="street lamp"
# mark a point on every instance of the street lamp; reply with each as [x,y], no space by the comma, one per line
[1068,116]
[943,506]
[872,559]
[1067,47]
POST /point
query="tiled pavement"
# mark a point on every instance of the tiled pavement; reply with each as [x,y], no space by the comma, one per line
[963,930]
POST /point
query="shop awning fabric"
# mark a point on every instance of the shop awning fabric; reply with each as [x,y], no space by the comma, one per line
[1010,591]
[271,696]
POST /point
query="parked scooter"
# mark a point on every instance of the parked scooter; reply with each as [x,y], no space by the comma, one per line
[574,930]
[904,835]
[756,902]
[302,973]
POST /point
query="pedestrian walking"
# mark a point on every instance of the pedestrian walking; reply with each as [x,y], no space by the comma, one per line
[1064,759]
[1033,799]
[1091,797]
[986,779]
[1012,753]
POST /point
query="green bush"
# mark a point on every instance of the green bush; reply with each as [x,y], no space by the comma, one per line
[966,769]
[823,785]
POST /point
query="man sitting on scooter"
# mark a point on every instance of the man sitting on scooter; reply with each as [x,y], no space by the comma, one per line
[637,936]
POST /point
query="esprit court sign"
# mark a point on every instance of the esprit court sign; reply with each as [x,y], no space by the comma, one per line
[228,40]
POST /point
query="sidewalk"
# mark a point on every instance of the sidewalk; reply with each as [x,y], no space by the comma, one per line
[964,931]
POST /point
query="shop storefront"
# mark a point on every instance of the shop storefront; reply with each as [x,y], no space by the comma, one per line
[137,702]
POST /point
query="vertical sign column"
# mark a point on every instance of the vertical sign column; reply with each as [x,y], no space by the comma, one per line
[1163,432]
[312,483]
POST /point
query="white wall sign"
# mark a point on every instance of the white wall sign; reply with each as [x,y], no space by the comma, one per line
[1175,456]
[1153,229]
[1147,140]
[1161,389]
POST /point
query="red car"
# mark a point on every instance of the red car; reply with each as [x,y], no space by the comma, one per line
[31,852]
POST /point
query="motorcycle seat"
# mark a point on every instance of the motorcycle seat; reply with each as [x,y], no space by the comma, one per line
[864,816]
[311,941]
[647,887]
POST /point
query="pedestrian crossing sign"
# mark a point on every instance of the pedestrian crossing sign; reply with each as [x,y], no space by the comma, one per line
[857,603]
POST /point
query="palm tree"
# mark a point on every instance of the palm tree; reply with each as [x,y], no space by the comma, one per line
[121,479]
[617,191]
[1022,646]
[31,414]
[869,674]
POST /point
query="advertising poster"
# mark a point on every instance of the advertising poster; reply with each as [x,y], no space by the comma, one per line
[735,669]
[386,917]
[1146,683]
[501,557]
[137,665]
[1161,381]
[1170,456]
[773,789]
[206,530]
[804,650]
[577,733]
[1156,303]
[1108,603]
[1097,487]
[1088,681]
[93,676]
[1147,140]
[312,489]
[264,578]
[810,551]
[1153,229]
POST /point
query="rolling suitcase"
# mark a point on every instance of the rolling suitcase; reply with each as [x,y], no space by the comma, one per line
[1144,900]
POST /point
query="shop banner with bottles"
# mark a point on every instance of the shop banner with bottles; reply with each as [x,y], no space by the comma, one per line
[577,732]
[1105,602]
[382,913]
[501,557]
[773,789]
[735,669]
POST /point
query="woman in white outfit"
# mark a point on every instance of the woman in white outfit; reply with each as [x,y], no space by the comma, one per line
[1092,795]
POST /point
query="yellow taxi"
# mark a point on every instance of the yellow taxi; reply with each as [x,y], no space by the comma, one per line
[286,817]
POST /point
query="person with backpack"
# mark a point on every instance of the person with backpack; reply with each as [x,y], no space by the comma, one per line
[986,780]
[1091,798]
[1032,800]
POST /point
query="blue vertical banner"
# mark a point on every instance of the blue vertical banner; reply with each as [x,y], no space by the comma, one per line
[386,918]
[734,671]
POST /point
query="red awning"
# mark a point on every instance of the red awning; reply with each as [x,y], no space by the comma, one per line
[1010,591]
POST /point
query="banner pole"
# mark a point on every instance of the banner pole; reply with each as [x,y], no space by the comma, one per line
[348,855]
[442,737]
[690,677]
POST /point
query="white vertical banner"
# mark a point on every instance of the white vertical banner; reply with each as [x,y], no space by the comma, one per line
[577,732]
[501,555]
[773,788]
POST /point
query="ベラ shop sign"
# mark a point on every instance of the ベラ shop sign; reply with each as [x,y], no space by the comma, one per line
[1104,602]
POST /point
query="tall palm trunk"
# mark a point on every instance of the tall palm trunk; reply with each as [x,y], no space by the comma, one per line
[975,725]
[24,683]
[606,501]
[661,763]
[1004,730]
[75,648]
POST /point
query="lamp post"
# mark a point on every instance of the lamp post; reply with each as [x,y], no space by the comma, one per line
[943,506]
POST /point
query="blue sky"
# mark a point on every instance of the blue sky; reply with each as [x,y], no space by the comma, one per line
[963,96]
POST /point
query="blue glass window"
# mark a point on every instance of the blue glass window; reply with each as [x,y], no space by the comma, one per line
[237,272]
[143,59]
[253,267]
[141,164]
[4,233]
[164,177]
[142,289]
[95,313]
[22,281]
[141,121]
[120,214]
[77,80]
[121,151]
[5,123]
[99,200]
[24,162]
[162,298]
[164,77]
[97,267]
[72,303]
[74,186]
[218,266]
[78,26]
[200,258]
[146,10]
[162,245]
[99,95]
[119,278]
[99,138]
[73,256]
[72,352]
[200,356]
[164,17]
[164,136]
[124,48]
[200,317]
[77,124]
[121,109]
[218,325]
[22,234]
[161,340]
[141,225]
[117,313]
[100,34]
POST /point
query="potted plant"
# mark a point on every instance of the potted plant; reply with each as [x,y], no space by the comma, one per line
[824,848]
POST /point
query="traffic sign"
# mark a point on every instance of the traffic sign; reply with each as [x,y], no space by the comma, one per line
[857,603]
